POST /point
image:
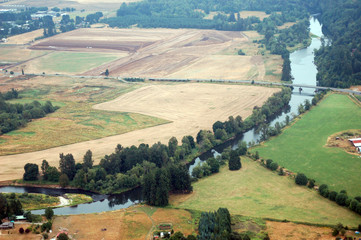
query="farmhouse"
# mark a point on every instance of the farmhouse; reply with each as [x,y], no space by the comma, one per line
[7,225]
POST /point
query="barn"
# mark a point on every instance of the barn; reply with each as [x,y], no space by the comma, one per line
[357,143]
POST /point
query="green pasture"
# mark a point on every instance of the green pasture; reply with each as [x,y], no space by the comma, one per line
[256,191]
[73,62]
[301,148]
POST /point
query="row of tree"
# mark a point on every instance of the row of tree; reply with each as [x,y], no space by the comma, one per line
[158,167]
[338,60]
[13,116]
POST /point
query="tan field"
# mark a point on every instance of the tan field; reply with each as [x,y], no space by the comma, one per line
[25,38]
[292,231]
[191,107]
[165,53]
[246,14]
[131,223]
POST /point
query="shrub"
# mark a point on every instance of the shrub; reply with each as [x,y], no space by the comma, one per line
[27,230]
[63,236]
[45,236]
[301,179]
[274,166]
[21,230]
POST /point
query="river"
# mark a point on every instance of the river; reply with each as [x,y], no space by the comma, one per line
[304,72]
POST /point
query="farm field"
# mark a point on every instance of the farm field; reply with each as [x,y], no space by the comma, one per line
[68,62]
[163,53]
[258,192]
[302,147]
[131,223]
[14,54]
[190,107]
[24,38]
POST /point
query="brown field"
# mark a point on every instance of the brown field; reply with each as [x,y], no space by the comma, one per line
[292,231]
[191,107]
[13,234]
[166,53]
[13,54]
[130,223]
[246,14]
[25,38]
[286,25]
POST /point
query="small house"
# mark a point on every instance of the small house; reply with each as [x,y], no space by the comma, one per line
[7,225]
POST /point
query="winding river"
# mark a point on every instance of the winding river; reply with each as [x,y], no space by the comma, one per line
[304,72]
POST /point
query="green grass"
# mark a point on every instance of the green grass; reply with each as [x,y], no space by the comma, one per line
[258,192]
[301,148]
[73,62]
[32,201]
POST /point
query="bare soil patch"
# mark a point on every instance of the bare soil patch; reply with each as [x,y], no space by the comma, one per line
[292,231]
[191,107]
[341,140]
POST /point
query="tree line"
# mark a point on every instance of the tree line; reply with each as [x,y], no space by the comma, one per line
[14,116]
[338,60]
[158,168]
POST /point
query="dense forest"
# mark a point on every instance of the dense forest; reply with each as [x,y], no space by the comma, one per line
[13,116]
[339,61]
[158,168]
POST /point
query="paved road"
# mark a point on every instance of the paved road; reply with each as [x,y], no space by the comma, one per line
[211,80]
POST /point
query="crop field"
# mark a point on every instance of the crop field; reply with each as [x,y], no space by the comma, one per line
[256,191]
[302,147]
[158,53]
[131,223]
[188,107]
[68,62]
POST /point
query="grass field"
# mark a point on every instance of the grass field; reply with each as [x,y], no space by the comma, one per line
[70,62]
[256,191]
[31,201]
[301,148]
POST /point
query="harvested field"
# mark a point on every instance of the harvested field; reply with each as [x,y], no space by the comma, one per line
[24,38]
[168,53]
[191,107]
[292,231]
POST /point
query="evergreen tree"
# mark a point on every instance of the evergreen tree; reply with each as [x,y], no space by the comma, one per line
[234,161]
[67,165]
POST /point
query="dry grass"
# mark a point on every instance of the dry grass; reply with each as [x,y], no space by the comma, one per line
[131,223]
[190,107]
[25,38]
[14,234]
[292,231]
[286,25]
[261,15]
